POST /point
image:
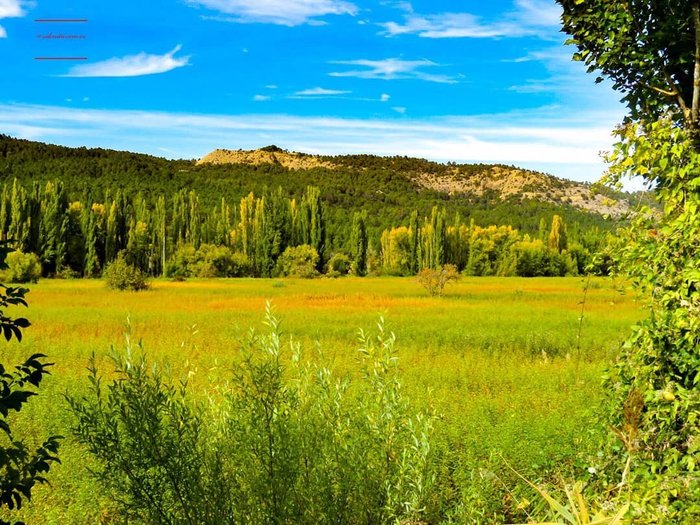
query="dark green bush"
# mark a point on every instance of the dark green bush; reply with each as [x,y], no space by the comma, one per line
[338,265]
[120,275]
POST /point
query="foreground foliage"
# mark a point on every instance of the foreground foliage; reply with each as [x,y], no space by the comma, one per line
[651,51]
[21,468]
[286,441]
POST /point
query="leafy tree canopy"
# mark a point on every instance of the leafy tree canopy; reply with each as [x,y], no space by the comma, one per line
[649,49]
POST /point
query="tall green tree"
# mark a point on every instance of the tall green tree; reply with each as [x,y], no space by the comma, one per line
[313,221]
[54,228]
[648,48]
[557,240]
[651,51]
[358,244]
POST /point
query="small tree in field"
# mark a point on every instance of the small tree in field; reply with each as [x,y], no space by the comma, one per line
[120,275]
[434,280]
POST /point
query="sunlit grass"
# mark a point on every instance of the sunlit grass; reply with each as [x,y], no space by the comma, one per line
[496,357]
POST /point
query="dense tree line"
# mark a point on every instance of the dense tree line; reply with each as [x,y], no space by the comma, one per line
[384,187]
[180,236]
[491,250]
[82,236]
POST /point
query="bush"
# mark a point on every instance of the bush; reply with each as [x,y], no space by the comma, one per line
[298,261]
[434,280]
[286,442]
[22,268]
[208,261]
[120,275]
[338,265]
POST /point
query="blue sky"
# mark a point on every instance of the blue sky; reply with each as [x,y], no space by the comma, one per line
[462,81]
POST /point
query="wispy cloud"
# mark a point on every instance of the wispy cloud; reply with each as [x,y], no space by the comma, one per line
[131,66]
[547,139]
[281,12]
[319,92]
[561,75]
[391,69]
[10,9]
[529,18]
[261,98]
[385,97]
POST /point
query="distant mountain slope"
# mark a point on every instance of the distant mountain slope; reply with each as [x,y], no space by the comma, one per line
[389,188]
[269,155]
[478,179]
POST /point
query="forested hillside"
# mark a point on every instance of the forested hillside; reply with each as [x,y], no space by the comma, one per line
[78,208]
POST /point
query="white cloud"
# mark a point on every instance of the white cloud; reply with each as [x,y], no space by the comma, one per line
[391,69]
[529,18]
[565,143]
[10,9]
[271,86]
[399,109]
[131,66]
[319,92]
[281,12]
[385,97]
[261,98]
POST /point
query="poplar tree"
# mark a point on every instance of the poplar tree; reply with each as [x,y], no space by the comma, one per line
[54,228]
[557,240]
[358,244]
[313,224]
[92,262]
[415,242]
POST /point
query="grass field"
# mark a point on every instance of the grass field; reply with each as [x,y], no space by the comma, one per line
[496,357]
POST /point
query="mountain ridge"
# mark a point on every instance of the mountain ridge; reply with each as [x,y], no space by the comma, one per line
[507,181]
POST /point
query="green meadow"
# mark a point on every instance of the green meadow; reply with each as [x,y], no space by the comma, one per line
[506,363]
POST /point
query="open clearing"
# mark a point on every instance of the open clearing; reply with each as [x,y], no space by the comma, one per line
[496,357]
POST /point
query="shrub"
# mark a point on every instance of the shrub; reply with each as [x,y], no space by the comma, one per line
[120,275]
[434,280]
[178,266]
[208,261]
[338,265]
[286,442]
[22,268]
[298,261]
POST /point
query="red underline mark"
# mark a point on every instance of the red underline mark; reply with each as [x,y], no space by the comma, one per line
[61,20]
[60,58]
